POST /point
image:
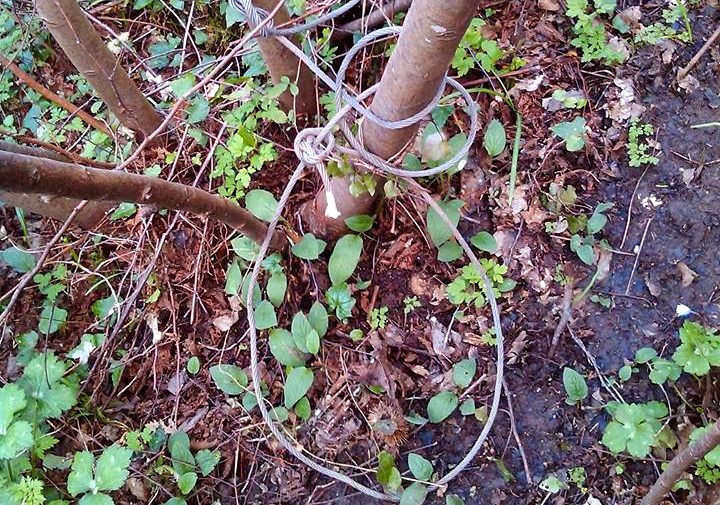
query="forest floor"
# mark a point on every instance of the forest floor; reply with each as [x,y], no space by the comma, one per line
[169,273]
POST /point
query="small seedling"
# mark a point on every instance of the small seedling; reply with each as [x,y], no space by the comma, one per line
[634,428]
[411,303]
[640,144]
[378,317]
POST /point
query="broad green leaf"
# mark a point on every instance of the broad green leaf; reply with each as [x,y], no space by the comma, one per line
[420,467]
[449,251]
[207,461]
[344,258]
[318,318]
[484,241]
[16,439]
[302,332]
[414,494]
[111,468]
[575,386]
[645,354]
[309,248]
[297,384]
[229,379]
[605,6]
[183,84]
[187,482]
[438,230]
[360,223]
[96,499]
[279,414]
[387,474]
[467,408]
[233,278]
[625,372]
[265,316]
[176,501]
[123,211]
[182,459]
[572,133]
[198,109]
[302,408]
[416,419]
[244,247]
[463,372]
[453,499]
[276,286]
[193,365]
[441,406]
[283,347]
[48,396]
[17,259]
[596,222]
[52,318]
[12,399]
[261,204]
[80,479]
[495,139]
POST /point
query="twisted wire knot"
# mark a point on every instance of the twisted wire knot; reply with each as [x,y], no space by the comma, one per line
[313,147]
[253,15]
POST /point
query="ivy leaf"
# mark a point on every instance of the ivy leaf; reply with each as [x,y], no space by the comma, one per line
[283,347]
[276,287]
[575,386]
[420,467]
[438,230]
[463,372]
[414,494]
[484,241]
[229,379]
[261,204]
[309,248]
[207,461]
[297,384]
[360,223]
[441,406]
[265,316]
[17,259]
[344,258]
[572,133]
[495,138]
[318,318]
[111,468]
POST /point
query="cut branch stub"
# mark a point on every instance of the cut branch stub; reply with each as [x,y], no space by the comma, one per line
[82,44]
[29,174]
[281,62]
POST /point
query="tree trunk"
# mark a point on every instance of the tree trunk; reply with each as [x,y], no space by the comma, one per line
[283,63]
[29,174]
[56,207]
[681,462]
[430,35]
[82,44]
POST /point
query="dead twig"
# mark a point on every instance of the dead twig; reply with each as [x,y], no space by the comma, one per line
[372,20]
[710,41]
[637,256]
[566,314]
[513,427]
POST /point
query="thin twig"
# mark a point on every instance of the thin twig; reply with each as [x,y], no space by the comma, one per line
[710,41]
[566,314]
[637,256]
[632,202]
[513,427]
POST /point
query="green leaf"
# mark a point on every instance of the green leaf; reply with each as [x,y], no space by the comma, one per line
[309,248]
[193,365]
[645,354]
[16,439]
[360,223]
[344,258]
[304,335]
[453,499]
[467,408]
[198,109]
[387,474]
[414,494]
[484,241]
[297,384]
[283,347]
[12,399]
[17,259]
[229,379]
[276,287]
[441,406]
[80,479]
[595,223]
[495,139]
[265,316]
[625,372]
[48,395]
[318,318]
[302,408]
[207,461]
[572,133]
[438,230]
[111,468]
[233,278]
[187,482]
[179,446]
[123,211]
[261,204]
[52,318]
[175,501]
[575,386]
[96,499]
[420,467]
[605,6]
[463,372]
[244,247]
[183,84]
[449,251]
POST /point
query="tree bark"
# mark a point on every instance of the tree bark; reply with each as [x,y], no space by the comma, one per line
[82,44]
[430,35]
[372,20]
[29,174]
[680,463]
[283,63]
[55,207]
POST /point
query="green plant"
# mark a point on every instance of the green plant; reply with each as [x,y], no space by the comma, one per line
[475,49]
[665,29]
[590,34]
[468,287]
[699,349]
[584,245]
[661,369]
[411,303]
[640,144]
[572,132]
[574,99]
[707,468]
[634,427]
[575,386]
[378,317]
[90,476]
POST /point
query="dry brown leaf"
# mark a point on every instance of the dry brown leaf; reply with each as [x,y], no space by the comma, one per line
[653,287]
[687,275]
[549,5]
[688,83]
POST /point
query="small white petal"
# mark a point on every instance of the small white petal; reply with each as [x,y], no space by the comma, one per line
[682,310]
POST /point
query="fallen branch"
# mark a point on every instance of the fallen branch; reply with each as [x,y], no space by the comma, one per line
[681,462]
[687,68]
[372,20]
[28,174]
[71,108]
